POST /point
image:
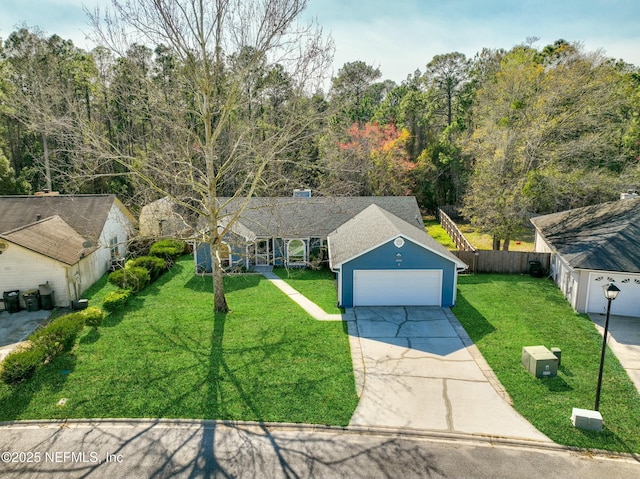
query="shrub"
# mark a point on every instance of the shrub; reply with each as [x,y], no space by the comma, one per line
[168,248]
[20,364]
[92,316]
[134,278]
[116,300]
[59,335]
[154,264]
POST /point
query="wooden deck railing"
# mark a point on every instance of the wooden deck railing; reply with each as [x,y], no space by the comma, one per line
[461,242]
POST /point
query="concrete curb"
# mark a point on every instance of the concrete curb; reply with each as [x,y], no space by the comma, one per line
[272,427]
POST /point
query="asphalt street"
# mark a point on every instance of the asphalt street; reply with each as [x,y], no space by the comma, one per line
[195,449]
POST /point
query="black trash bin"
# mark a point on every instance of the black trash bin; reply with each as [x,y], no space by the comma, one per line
[32,299]
[46,297]
[12,300]
[80,304]
[535,269]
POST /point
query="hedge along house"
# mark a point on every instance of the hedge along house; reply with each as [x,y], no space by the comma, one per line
[382,260]
[591,247]
[291,231]
[67,241]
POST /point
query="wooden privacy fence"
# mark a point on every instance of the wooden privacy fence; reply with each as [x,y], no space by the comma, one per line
[452,230]
[489,261]
[503,262]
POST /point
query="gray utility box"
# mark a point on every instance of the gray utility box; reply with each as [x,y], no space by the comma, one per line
[586,419]
[539,361]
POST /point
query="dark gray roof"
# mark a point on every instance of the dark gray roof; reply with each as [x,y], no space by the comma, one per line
[311,217]
[86,214]
[373,227]
[600,237]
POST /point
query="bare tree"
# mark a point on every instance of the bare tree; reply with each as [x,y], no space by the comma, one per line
[209,142]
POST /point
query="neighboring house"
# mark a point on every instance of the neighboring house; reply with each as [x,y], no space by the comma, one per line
[293,232]
[163,218]
[67,241]
[591,247]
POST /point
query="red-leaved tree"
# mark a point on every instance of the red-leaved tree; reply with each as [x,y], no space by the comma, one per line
[378,154]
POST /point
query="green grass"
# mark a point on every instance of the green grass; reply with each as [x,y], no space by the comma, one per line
[317,285]
[503,313]
[437,232]
[523,242]
[168,355]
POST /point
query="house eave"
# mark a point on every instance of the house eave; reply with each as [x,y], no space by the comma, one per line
[459,264]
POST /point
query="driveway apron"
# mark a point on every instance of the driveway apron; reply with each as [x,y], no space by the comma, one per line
[416,368]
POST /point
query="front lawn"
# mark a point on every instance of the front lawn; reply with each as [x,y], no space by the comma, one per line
[504,313]
[317,285]
[169,356]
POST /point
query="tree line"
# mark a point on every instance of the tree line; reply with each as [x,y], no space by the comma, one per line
[505,134]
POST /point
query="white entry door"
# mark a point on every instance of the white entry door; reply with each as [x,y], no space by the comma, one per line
[397,287]
[262,252]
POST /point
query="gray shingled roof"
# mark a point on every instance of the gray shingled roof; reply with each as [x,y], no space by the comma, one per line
[373,227]
[600,237]
[86,214]
[312,217]
[51,237]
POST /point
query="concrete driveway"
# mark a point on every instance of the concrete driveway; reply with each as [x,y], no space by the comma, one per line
[416,368]
[624,340]
[15,327]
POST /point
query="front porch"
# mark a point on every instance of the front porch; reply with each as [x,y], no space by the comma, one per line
[253,255]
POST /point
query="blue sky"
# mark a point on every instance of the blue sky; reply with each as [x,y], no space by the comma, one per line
[400,36]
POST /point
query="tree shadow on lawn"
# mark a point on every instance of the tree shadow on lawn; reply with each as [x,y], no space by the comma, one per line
[233,283]
[208,466]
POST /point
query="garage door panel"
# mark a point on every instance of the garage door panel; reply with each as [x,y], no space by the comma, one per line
[397,287]
[628,301]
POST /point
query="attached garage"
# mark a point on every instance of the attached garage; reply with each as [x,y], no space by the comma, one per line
[628,301]
[382,260]
[397,287]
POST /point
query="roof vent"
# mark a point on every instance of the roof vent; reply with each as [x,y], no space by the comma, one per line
[299,193]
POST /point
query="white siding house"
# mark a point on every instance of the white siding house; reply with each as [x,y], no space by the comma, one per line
[70,245]
[591,247]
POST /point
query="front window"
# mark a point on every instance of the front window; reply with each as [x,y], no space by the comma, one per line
[296,252]
[113,246]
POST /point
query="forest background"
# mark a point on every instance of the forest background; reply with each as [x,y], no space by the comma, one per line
[504,135]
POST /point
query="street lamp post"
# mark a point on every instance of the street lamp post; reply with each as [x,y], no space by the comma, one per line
[610,292]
